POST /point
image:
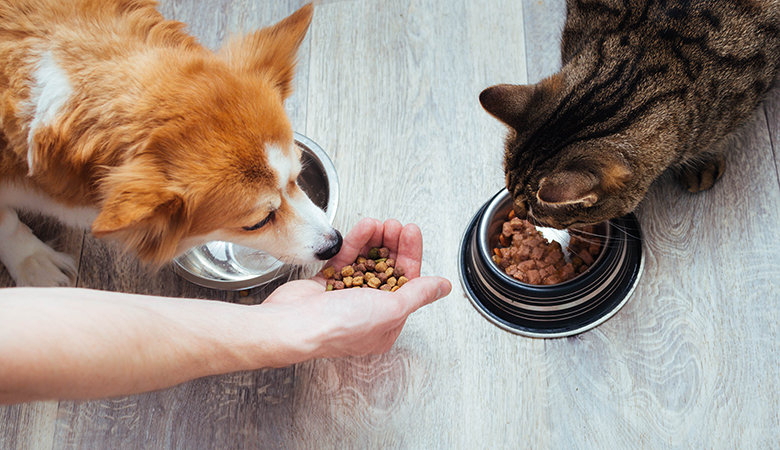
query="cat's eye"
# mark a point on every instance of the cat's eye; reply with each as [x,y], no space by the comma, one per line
[262,223]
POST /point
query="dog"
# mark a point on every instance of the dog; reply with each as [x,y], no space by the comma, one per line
[116,120]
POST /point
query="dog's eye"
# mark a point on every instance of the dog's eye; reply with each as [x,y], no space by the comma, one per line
[262,223]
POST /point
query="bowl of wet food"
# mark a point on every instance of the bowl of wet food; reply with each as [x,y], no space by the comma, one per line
[542,282]
[228,266]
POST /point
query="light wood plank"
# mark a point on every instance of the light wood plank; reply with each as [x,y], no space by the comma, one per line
[543,21]
[389,89]
[28,426]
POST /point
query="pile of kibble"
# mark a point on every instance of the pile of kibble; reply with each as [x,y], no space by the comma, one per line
[523,253]
[377,271]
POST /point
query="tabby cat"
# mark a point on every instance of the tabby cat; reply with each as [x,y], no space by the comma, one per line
[644,86]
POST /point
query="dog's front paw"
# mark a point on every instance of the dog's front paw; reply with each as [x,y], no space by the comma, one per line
[702,176]
[46,267]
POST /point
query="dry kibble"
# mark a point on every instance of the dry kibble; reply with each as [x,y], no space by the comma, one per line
[379,272]
[328,272]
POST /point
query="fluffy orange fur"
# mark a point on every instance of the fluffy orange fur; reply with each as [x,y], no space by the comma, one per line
[163,137]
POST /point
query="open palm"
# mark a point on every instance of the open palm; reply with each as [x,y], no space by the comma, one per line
[359,321]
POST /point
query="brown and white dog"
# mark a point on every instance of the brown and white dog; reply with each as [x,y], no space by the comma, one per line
[115,119]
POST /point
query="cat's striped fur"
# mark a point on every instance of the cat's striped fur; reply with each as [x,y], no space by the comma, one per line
[644,86]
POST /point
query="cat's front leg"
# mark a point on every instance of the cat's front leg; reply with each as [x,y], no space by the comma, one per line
[700,175]
[29,261]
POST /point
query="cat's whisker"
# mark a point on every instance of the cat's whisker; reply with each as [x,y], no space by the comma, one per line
[627,232]
[592,239]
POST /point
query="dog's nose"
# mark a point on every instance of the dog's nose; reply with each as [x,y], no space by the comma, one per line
[333,250]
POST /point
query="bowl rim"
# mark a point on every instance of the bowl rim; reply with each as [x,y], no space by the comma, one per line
[250,282]
[330,172]
[471,293]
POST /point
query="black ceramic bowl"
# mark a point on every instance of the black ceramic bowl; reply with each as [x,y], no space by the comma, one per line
[557,310]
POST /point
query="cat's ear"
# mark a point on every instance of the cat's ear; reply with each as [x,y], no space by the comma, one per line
[575,187]
[568,188]
[517,104]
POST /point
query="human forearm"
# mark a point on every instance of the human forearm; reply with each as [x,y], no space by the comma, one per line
[76,343]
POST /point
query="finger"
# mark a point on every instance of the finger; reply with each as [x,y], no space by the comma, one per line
[392,231]
[377,239]
[364,231]
[410,250]
[422,291]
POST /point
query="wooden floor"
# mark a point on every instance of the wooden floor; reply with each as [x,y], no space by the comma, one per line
[389,89]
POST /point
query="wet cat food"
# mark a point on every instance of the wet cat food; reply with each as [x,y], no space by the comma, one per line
[378,271]
[524,253]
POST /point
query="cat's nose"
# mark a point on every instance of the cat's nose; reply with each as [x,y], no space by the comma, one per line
[520,210]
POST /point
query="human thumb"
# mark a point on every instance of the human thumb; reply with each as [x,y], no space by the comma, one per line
[422,291]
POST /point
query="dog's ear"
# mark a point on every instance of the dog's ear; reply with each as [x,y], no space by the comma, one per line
[143,215]
[272,51]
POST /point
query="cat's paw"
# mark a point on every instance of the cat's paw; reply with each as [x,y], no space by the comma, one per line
[702,176]
[46,268]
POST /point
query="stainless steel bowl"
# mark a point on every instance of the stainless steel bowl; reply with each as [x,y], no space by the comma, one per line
[227,266]
[557,310]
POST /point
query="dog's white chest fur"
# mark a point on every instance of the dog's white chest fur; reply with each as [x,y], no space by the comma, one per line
[49,93]
[25,199]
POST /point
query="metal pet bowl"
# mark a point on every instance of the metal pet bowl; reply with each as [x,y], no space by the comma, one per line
[557,310]
[227,266]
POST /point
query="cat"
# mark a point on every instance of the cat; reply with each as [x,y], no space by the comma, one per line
[644,86]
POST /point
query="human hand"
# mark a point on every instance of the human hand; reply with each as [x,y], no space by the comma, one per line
[354,322]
